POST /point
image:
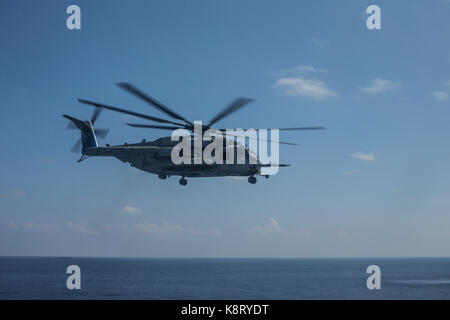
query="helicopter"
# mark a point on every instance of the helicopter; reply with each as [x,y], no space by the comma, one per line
[155,156]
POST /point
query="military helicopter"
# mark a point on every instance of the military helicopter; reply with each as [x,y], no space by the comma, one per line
[155,156]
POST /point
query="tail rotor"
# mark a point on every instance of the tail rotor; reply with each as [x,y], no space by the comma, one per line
[85,127]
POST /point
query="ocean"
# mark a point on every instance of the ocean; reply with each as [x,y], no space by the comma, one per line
[197,278]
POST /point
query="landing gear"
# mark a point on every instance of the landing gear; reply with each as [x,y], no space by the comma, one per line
[252,180]
[183,181]
[162,176]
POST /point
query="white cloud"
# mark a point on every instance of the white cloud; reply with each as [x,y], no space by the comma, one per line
[301,86]
[303,70]
[272,227]
[320,43]
[206,232]
[42,227]
[440,95]
[300,70]
[297,81]
[52,227]
[363,156]
[81,228]
[131,210]
[380,85]
[162,229]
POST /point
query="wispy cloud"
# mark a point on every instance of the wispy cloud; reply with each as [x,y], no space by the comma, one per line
[42,227]
[154,229]
[320,43]
[363,156]
[300,70]
[80,228]
[272,227]
[131,210]
[206,232]
[304,70]
[379,86]
[302,81]
[159,229]
[13,226]
[440,96]
[52,227]
[14,194]
[300,86]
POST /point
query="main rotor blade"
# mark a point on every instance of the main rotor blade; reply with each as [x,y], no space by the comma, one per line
[95,115]
[233,135]
[102,133]
[71,125]
[301,128]
[290,129]
[281,165]
[133,90]
[76,147]
[232,107]
[153,127]
[100,105]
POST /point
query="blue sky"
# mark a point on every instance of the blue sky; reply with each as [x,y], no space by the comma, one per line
[375,183]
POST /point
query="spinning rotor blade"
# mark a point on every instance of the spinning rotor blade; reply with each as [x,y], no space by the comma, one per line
[102,133]
[233,135]
[95,115]
[135,91]
[281,165]
[76,147]
[234,106]
[71,125]
[301,128]
[153,127]
[100,105]
[292,129]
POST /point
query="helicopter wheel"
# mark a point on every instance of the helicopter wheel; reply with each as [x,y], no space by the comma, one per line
[252,180]
[183,181]
[162,176]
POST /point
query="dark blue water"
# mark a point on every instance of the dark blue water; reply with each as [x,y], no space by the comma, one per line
[121,278]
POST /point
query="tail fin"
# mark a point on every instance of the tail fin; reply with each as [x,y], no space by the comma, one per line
[88,138]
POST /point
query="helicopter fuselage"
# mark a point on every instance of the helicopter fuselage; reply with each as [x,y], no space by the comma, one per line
[155,157]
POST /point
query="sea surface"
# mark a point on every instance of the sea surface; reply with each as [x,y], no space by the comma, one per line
[174,278]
